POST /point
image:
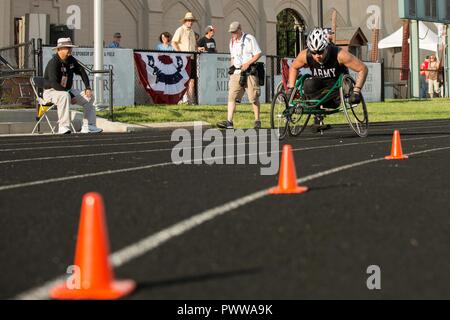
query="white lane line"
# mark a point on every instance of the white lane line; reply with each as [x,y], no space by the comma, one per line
[169,141]
[124,136]
[51,137]
[119,153]
[151,242]
[85,146]
[132,169]
[112,154]
[342,128]
[83,155]
[101,154]
[80,176]
[118,138]
[96,145]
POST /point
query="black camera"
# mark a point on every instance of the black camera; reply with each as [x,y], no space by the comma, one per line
[243,79]
[231,70]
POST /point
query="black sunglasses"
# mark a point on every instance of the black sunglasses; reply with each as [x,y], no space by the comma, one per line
[315,53]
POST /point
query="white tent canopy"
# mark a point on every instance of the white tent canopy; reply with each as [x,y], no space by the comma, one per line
[428,40]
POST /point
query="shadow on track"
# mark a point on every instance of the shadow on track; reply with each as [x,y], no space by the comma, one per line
[144,286]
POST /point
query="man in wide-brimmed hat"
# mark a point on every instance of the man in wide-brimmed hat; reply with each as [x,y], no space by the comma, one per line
[58,76]
[184,40]
[184,37]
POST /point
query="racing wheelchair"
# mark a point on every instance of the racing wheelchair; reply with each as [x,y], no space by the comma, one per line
[291,115]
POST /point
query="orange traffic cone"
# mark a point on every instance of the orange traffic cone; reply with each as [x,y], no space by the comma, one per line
[287,183]
[96,278]
[397,152]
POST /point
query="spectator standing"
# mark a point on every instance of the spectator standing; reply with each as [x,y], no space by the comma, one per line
[184,40]
[165,45]
[245,52]
[433,77]
[207,43]
[423,77]
[115,44]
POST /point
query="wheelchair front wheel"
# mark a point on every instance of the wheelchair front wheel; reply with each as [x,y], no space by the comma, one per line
[279,115]
[298,121]
[357,115]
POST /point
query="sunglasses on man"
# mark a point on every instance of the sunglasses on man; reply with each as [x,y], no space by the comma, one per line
[318,53]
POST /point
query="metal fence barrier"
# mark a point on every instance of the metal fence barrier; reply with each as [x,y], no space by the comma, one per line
[17,64]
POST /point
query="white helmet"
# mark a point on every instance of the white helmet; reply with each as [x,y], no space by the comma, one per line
[318,40]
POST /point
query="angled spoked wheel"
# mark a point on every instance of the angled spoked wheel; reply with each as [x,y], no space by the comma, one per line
[357,115]
[298,121]
[279,118]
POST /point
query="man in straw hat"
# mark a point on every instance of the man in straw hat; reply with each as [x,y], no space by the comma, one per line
[58,76]
[184,40]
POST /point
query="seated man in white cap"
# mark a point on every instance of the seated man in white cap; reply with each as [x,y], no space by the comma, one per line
[58,76]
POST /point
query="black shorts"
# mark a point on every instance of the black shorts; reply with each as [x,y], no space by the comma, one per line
[317,88]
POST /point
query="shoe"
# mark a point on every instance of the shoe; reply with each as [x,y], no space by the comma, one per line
[319,126]
[91,129]
[225,125]
[101,109]
[258,125]
[315,128]
[64,130]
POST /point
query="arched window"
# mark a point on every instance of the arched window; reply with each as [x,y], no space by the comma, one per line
[290,29]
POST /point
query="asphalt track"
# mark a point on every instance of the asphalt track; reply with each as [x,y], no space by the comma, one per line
[210,232]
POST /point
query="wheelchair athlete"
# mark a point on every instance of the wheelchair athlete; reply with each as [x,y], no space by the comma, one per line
[327,63]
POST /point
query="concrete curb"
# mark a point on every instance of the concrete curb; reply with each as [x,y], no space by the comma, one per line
[22,122]
[118,127]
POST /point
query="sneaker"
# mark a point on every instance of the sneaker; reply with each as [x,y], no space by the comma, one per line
[315,128]
[64,130]
[91,129]
[225,125]
[101,108]
[319,126]
[258,125]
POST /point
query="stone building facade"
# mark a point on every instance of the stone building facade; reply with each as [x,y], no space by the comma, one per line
[141,21]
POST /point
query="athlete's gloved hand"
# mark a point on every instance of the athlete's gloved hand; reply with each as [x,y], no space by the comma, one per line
[355,98]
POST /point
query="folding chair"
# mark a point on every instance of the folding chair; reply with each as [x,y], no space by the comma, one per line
[37,83]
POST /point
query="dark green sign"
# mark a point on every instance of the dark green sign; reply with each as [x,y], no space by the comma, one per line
[425,10]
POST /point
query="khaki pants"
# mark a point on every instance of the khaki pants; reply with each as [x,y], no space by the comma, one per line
[237,92]
[62,100]
[433,86]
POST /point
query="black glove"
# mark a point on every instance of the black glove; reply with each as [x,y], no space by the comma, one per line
[355,98]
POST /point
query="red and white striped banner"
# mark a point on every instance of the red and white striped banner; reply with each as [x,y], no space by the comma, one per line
[165,76]
[286,64]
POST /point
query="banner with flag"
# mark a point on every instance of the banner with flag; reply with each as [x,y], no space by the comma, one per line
[165,76]
[286,64]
